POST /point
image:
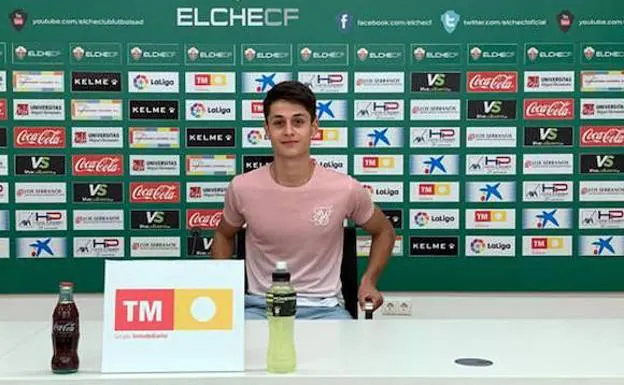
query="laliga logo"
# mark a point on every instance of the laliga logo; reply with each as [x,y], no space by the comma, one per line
[255,137]
[589,52]
[421,219]
[250,54]
[141,81]
[306,53]
[477,246]
[198,110]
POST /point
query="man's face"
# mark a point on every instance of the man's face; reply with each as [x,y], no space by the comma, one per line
[290,129]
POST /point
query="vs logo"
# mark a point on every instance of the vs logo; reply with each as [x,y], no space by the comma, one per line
[605,161]
[602,163]
[155,217]
[39,165]
[492,107]
[548,133]
[155,220]
[98,190]
[40,162]
[436,80]
[548,136]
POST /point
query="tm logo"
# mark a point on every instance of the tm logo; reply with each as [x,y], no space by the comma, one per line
[450,20]
[344,21]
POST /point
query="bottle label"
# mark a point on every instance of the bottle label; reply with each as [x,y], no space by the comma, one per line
[67,327]
[281,305]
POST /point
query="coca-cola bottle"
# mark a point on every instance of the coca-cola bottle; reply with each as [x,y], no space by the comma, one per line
[65,331]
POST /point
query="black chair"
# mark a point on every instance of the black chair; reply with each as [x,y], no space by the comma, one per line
[348,268]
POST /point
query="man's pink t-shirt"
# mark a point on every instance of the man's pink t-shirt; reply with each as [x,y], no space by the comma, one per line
[300,225]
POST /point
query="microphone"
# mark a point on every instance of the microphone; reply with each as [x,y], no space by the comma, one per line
[195,241]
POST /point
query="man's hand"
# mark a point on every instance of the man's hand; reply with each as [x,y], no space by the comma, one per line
[368,292]
[382,242]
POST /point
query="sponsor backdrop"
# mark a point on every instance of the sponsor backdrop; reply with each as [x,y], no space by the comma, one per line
[491,135]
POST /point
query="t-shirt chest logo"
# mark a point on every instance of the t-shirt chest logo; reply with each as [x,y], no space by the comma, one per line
[321,215]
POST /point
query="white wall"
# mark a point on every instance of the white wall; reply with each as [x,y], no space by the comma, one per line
[505,305]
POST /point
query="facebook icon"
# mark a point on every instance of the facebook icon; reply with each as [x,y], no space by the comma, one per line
[344,21]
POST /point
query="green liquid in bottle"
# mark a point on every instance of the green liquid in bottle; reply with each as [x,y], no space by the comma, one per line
[281,308]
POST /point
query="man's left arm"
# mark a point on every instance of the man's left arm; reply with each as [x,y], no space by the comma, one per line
[383,238]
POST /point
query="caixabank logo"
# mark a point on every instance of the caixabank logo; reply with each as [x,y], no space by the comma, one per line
[173,309]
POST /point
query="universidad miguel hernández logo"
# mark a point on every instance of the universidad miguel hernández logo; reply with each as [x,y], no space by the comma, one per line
[173,309]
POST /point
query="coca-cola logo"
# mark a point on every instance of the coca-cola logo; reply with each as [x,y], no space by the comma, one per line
[97,165]
[3,109]
[549,109]
[42,137]
[492,81]
[602,136]
[205,219]
[68,327]
[155,192]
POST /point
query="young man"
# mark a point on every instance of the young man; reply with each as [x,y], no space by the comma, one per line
[294,211]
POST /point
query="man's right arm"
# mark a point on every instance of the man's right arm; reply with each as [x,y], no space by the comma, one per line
[223,240]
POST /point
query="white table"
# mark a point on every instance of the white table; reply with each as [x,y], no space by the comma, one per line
[13,333]
[369,352]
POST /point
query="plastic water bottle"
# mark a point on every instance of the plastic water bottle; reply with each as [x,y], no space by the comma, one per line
[281,305]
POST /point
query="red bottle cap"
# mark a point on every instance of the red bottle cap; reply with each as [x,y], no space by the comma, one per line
[66,284]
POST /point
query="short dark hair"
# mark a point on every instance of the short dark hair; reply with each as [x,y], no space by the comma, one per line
[292,91]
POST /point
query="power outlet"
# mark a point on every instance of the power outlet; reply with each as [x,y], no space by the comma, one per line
[397,306]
